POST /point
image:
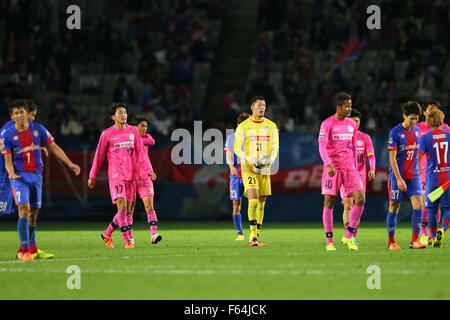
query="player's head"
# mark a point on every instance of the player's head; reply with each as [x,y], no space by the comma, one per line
[140,122]
[258,106]
[430,105]
[411,113]
[343,103]
[18,111]
[241,117]
[118,112]
[355,115]
[435,118]
[32,109]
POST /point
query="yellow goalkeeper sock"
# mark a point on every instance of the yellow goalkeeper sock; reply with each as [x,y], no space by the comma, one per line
[260,214]
[252,206]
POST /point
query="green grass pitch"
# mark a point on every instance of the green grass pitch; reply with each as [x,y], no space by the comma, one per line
[202,261]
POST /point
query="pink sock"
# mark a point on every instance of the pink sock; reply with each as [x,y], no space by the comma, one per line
[130,224]
[327,218]
[123,223]
[153,220]
[355,216]
[423,228]
[110,229]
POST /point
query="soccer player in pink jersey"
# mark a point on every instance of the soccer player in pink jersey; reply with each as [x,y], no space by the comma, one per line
[427,107]
[364,150]
[337,147]
[122,144]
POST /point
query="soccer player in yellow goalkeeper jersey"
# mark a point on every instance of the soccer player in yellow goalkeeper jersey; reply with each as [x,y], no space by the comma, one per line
[256,143]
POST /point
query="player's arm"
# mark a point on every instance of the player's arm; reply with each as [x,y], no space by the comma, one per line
[99,157]
[9,166]
[323,142]
[393,162]
[371,156]
[239,142]
[275,146]
[148,139]
[61,155]
[229,159]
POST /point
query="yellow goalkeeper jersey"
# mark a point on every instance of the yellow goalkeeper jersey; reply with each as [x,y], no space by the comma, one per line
[254,139]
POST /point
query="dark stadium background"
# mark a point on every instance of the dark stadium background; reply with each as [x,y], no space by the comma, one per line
[178,61]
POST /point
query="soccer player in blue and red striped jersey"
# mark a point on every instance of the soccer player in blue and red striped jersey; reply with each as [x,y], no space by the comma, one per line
[23,162]
[404,175]
[435,146]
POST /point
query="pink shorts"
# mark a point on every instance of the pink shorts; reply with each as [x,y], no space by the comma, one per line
[124,189]
[349,179]
[145,188]
[345,194]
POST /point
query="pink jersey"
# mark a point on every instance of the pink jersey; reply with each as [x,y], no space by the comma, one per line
[364,148]
[424,129]
[336,141]
[124,149]
[148,141]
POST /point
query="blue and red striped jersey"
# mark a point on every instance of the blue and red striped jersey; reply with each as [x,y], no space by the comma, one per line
[25,147]
[3,130]
[435,145]
[406,143]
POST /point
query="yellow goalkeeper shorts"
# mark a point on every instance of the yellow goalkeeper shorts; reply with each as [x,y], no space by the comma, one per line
[256,181]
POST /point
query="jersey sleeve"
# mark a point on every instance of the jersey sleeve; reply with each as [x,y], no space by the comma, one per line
[392,141]
[323,141]
[229,143]
[239,141]
[46,137]
[275,142]
[99,156]
[148,139]
[6,146]
[423,145]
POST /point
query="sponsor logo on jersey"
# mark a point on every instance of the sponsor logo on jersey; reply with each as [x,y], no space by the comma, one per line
[32,147]
[391,140]
[343,136]
[126,144]
[259,138]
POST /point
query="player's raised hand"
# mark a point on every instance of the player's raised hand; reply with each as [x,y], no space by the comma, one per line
[152,176]
[331,171]
[91,183]
[75,168]
[371,175]
[401,185]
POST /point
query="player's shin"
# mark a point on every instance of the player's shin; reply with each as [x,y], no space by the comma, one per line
[416,218]
[252,218]
[432,221]
[123,224]
[445,218]
[260,214]
[327,218]
[391,224]
[32,232]
[424,225]
[153,221]
[355,216]
[24,234]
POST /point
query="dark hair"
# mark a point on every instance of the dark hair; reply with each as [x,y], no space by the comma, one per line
[254,99]
[241,117]
[355,114]
[115,106]
[137,118]
[18,104]
[31,105]
[340,98]
[411,107]
[432,102]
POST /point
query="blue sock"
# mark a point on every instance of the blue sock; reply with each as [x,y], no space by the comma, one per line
[445,218]
[391,224]
[24,235]
[32,230]
[237,219]
[416,221]
[432,221]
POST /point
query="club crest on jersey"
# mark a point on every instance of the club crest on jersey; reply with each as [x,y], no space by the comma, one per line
[350,129]
[15,138]
[131,136]
[266,128]
[359,143]
[35,133]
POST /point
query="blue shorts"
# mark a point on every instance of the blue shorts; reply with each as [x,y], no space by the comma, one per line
[444,200]
[236,189]
[28,189]
[413,188]
[7,205]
